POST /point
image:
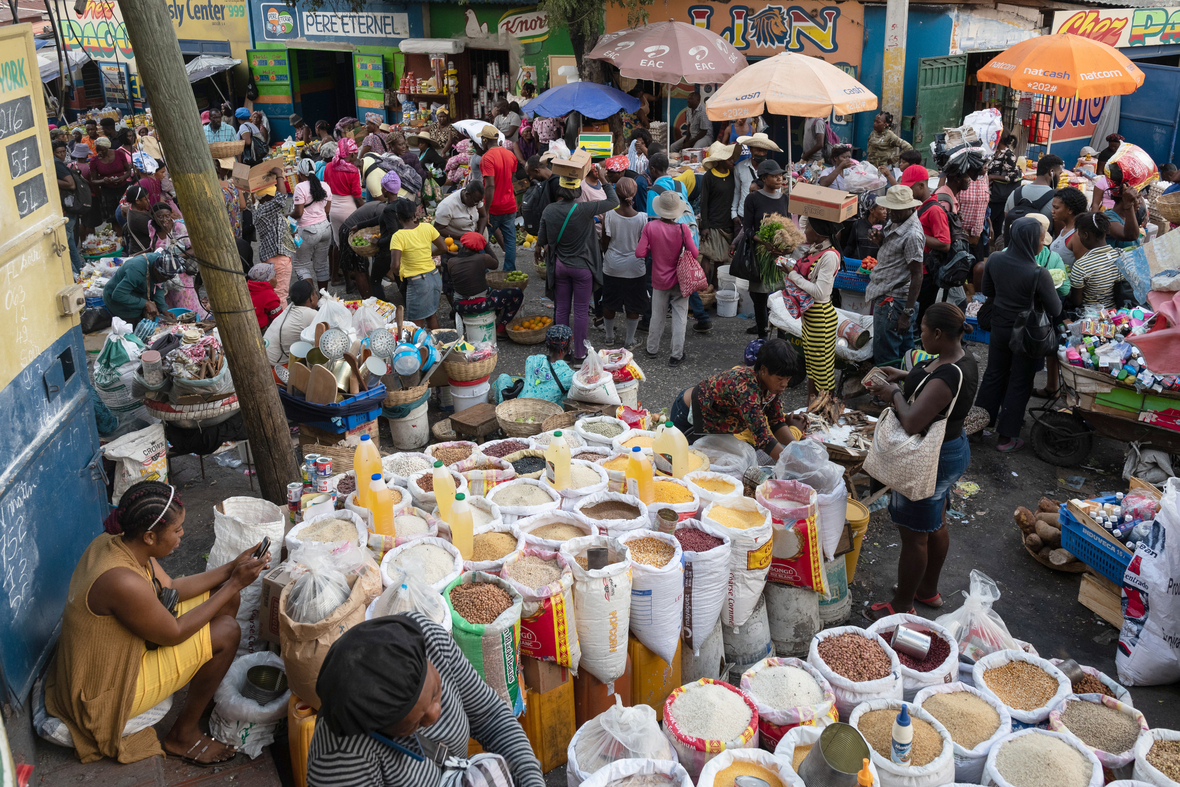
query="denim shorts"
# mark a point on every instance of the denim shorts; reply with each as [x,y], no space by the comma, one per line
[925,516]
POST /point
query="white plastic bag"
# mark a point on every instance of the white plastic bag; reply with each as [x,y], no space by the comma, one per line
[1144,771]
[240,523]
[408,593]
[937,772]
[914,681]
[657,597]
[706,575]
[55,730]
[317,593]
[618,733]
[333,312]
[727,454]
[749,561]
[988,125]
[240,721]
[602,606]
[850,693]
[1022,718]
[807,461]
[138,456]
[969,762]
[367,319]
[592,383]
[115,369]
[991,775]
[977,627]
[863,176]
[641,773]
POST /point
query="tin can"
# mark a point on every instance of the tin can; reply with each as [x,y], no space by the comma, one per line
[294,498]
[309,468]
[323,467]
[321,483]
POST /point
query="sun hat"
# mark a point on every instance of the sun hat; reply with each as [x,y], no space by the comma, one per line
[294,119]
[80,151]
[489,132]
[423,136]
[898,198]
[718,153]
[759,140]
[669,205]
[769,167]
[914,173]
[1046,239]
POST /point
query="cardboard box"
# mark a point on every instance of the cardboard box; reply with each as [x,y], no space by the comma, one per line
[257,177]
[576,166]
[309,435]
[273,583]
[822,203]
[543,676]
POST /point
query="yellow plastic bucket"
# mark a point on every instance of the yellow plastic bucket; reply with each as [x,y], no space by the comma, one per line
[858,520]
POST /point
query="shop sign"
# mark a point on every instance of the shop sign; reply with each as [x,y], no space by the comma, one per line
[280,22]
[1076,119]
[1123,27]
[528,26]
[194,18]
[99,31]
[833,32]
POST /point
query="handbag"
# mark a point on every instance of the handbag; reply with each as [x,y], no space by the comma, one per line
[1033,334]
[908,462]
[689,274]
[740,267]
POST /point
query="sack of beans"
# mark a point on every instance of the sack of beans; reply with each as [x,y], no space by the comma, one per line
[408,523]
[705,718]
[672,494]
[407,593]
[788,693]
[748,526]
[706,550]
[631,438]
[586,478]
[859,666]
[797,556]
[421,486]
[728,765]
[485,614]
[590,453]
[404,464]
[1157,758]
[1098,682]
[521,498]
[614,513]
[546,583]
[333,527]
[433,560]
[794,748]
[602,605]
[657,590]
[551,529]
[974,720]
[1109,728]
[932,762]
[452,453]
[599,429]
[711,486]
[1028,686]
[616,734]
[502,448]
[1035,758]
[483,512]
[491,545]
[640,773]
[527,463]
[484,472]
[939,667]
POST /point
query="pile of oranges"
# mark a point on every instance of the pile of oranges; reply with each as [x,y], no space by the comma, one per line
[533,323]
[452,247]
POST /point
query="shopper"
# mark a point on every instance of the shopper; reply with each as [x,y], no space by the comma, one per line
[1068,204]
[373,142]
[525,147]
[623,288]
[746,172]
[498,166]
[110,173]
[313,205]
[378,213]
[717,193]
[70,206]
[1095,271]
[665,239]
[412,262]
[940,387]
[343,181]
[235,200]
[467,272]
[1005,176]
[885,146]
[506,121]
[261,284]
[285,329]
[860,243]
[275,244]
[815,274]
[137,215]
[839,160]
[815,140]
[896,280]
[760,204]
[618,167]
[699,131]
[1015,284]
[1038,195]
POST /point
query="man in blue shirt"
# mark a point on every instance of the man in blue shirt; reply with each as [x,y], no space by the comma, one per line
[216,131]
[661,181]
[1170,174]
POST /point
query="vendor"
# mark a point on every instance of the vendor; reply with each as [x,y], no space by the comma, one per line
[383,727]
[547,376]
[284,330]
[261,284]
[815,274]
[131,635]
[468,273]
[744,402]
[134,291]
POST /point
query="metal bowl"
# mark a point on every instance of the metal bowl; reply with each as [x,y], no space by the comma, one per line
[264,684]
[334,343]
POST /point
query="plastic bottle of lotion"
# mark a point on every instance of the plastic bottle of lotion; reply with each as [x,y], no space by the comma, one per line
[903,738]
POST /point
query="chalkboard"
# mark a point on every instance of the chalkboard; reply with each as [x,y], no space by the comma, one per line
[23,157]
[16,116]
[30,195]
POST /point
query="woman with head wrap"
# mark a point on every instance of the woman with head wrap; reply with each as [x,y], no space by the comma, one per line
[525,147]
[327,153]
[623,288]
[343,180]
[412,179]
[1013,283]
[443,133]
[110,171]
[467,273]
[136,291]
[860,243]
[313,203]
[815,274]
[373,141]
[260,282]
[547,376]
[382,727]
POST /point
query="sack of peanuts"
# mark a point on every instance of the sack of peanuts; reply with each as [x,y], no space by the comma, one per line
[1053,752]
[665,773]
[794,748]
[1112,688]
[860,666]
[705,718]
[602,605]
[485,615]
[614,513]
[932,762]
[787,699]
[706,551]
[1060,719]
[491,546]
[546,583]
[453,452]
[657,590]
[672,494]
[551,529]
[728,765]
[941,664]
[751,539]
[1144,771]
[1028,686]
[969,761]
[484,472]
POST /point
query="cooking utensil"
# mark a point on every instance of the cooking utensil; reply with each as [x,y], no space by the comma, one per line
[300,376]
[264,684]
[836,758]
[320,329]
[356,377]
[321,386]
[1072,670]
[341,372]
[373,369]
[382,343]
[406,360]
[299,350]
[283,375]
[334,343]
[911,642]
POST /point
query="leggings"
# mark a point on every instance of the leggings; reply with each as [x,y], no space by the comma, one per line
[761,312]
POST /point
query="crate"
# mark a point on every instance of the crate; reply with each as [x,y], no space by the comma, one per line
[854,301]
[851,281]
[851,265]
[976,334]
[1097,552]
[346,423]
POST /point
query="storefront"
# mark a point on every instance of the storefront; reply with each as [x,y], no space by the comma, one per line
[327,64]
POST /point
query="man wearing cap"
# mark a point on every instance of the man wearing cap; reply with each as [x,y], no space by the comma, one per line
[699,133]
[497,165]
[896,280]
[216,131]
[746,172]
[717,193]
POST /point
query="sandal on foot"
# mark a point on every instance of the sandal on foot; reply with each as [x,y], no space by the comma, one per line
[195,759]
[934,601]
[1009,446]
[881,609]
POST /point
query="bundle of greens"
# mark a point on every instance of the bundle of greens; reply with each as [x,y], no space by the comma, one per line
[779,237]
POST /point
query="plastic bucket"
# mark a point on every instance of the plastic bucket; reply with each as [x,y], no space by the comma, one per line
[480,328]
[411,431]
[469,396]
[858,521]
[629,393]
[835,610]
[727,303]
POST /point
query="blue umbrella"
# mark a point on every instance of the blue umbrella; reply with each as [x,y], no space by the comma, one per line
[593,101]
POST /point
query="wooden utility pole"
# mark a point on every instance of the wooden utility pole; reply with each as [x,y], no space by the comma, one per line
[174,110]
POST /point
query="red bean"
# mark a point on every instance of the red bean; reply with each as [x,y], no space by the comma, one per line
[692,540]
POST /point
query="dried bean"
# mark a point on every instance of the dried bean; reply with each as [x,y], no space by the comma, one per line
[611,509]
[604,428]
[492,546]
[1099,727]
[480,602]
[347,485]
[1021,685]
[452,454]
[1091,685]
[692,540]
[528,464]
[939,650]
[651,551]
[535,572]
[1165,757]
[854,657]
[501,450]
[426,483]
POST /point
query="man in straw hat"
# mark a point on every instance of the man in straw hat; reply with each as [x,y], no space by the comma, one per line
[717,192]
[897,279]
[746,172]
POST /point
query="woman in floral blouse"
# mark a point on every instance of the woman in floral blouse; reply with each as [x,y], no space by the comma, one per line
[884,145]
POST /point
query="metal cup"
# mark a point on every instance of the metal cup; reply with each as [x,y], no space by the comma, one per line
[836,757]
[1072,670]
[911,642]
[597,557]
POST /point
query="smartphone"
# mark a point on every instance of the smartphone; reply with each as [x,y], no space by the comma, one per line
[263,548]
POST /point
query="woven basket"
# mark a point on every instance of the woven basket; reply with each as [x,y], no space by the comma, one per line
[533,336]
[341,455]
[709,296]
[394,398]
[368,250]
[443,432]
[226,149]
[521,454]
[1168,206]
[561,421]
[537,409]
[497,280]
[464,371]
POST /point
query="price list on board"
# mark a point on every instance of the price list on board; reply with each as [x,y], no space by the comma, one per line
[20,139]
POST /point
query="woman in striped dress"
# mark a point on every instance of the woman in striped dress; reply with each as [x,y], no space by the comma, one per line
[815,275]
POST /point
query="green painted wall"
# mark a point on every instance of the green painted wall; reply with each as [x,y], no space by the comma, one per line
[448,20]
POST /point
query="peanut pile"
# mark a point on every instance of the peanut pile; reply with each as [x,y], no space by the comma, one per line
[854,657]
[480,602]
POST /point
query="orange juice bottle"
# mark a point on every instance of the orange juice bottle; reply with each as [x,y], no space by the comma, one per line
[557,462]
[444,490]
[640,482]
[382,508]
[461,526]
[365,462]
[671,444]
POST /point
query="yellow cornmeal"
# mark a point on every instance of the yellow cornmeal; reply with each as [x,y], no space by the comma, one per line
[715,485]
[736,518]
[618,463]
[641,440]
[798,756]
[668,492]
[725,777]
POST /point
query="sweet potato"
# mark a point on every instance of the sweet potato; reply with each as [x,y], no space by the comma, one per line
[1053,519]
[1059,557]
[1045,552]
[1051,536]
[1033,542]
[1048,505]
[1025,520]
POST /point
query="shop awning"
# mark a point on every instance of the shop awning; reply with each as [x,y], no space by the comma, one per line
[49,65]
[205,66]
[431,46]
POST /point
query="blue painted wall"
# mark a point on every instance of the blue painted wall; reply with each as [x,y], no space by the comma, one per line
[928,35]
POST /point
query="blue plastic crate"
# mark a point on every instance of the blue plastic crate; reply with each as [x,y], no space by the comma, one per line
[976,334]
[851,265]
[851,281]
[340,425]
[1092,549]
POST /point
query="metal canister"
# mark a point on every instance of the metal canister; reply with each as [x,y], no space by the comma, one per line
[668,519]
[911,642]
[309,469]
[323,472]
[294,498]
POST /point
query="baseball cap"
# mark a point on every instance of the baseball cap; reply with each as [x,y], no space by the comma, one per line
[489,132]
[914,173]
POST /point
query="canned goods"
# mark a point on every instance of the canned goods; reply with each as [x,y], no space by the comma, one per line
[309,468]
[321,483]
[323,467]
[294,498]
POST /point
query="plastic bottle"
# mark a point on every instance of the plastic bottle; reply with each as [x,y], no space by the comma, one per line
[902,750]
[639,471]
[557,462]
[461,526]
[382,506]
[366,461]
[865,777]
[671,444]
[444,490]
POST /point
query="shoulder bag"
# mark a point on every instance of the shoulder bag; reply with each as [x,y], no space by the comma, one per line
[908,463]
[1033,334]
[689,273]
[551,267]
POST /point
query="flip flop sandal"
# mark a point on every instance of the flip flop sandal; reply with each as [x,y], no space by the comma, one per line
[882,609]
[195,760]
[934,601]
[1009,447]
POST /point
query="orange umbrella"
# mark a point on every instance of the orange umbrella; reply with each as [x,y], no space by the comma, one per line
[1064,65]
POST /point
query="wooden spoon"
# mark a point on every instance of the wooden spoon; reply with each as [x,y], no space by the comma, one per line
[400,314]
[358,381]
[321,388]
[298,378]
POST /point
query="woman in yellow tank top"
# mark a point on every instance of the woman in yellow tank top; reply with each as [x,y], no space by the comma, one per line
[122,650]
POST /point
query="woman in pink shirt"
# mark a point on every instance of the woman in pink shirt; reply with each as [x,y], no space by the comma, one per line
[343,179]
[313,206]
[664,239]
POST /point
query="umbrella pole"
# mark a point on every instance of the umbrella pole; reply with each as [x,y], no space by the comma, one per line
[218,89]
[790,159]
[1049,141]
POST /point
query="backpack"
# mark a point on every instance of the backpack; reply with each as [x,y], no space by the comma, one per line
[950,268]
[531,207]
[1022,206]
[256,153]
[80,201]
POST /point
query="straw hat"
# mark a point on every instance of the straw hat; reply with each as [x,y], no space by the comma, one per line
[759,140]
[669,205]
[424,136]
[1046,239]
[899,198]
[718,153]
